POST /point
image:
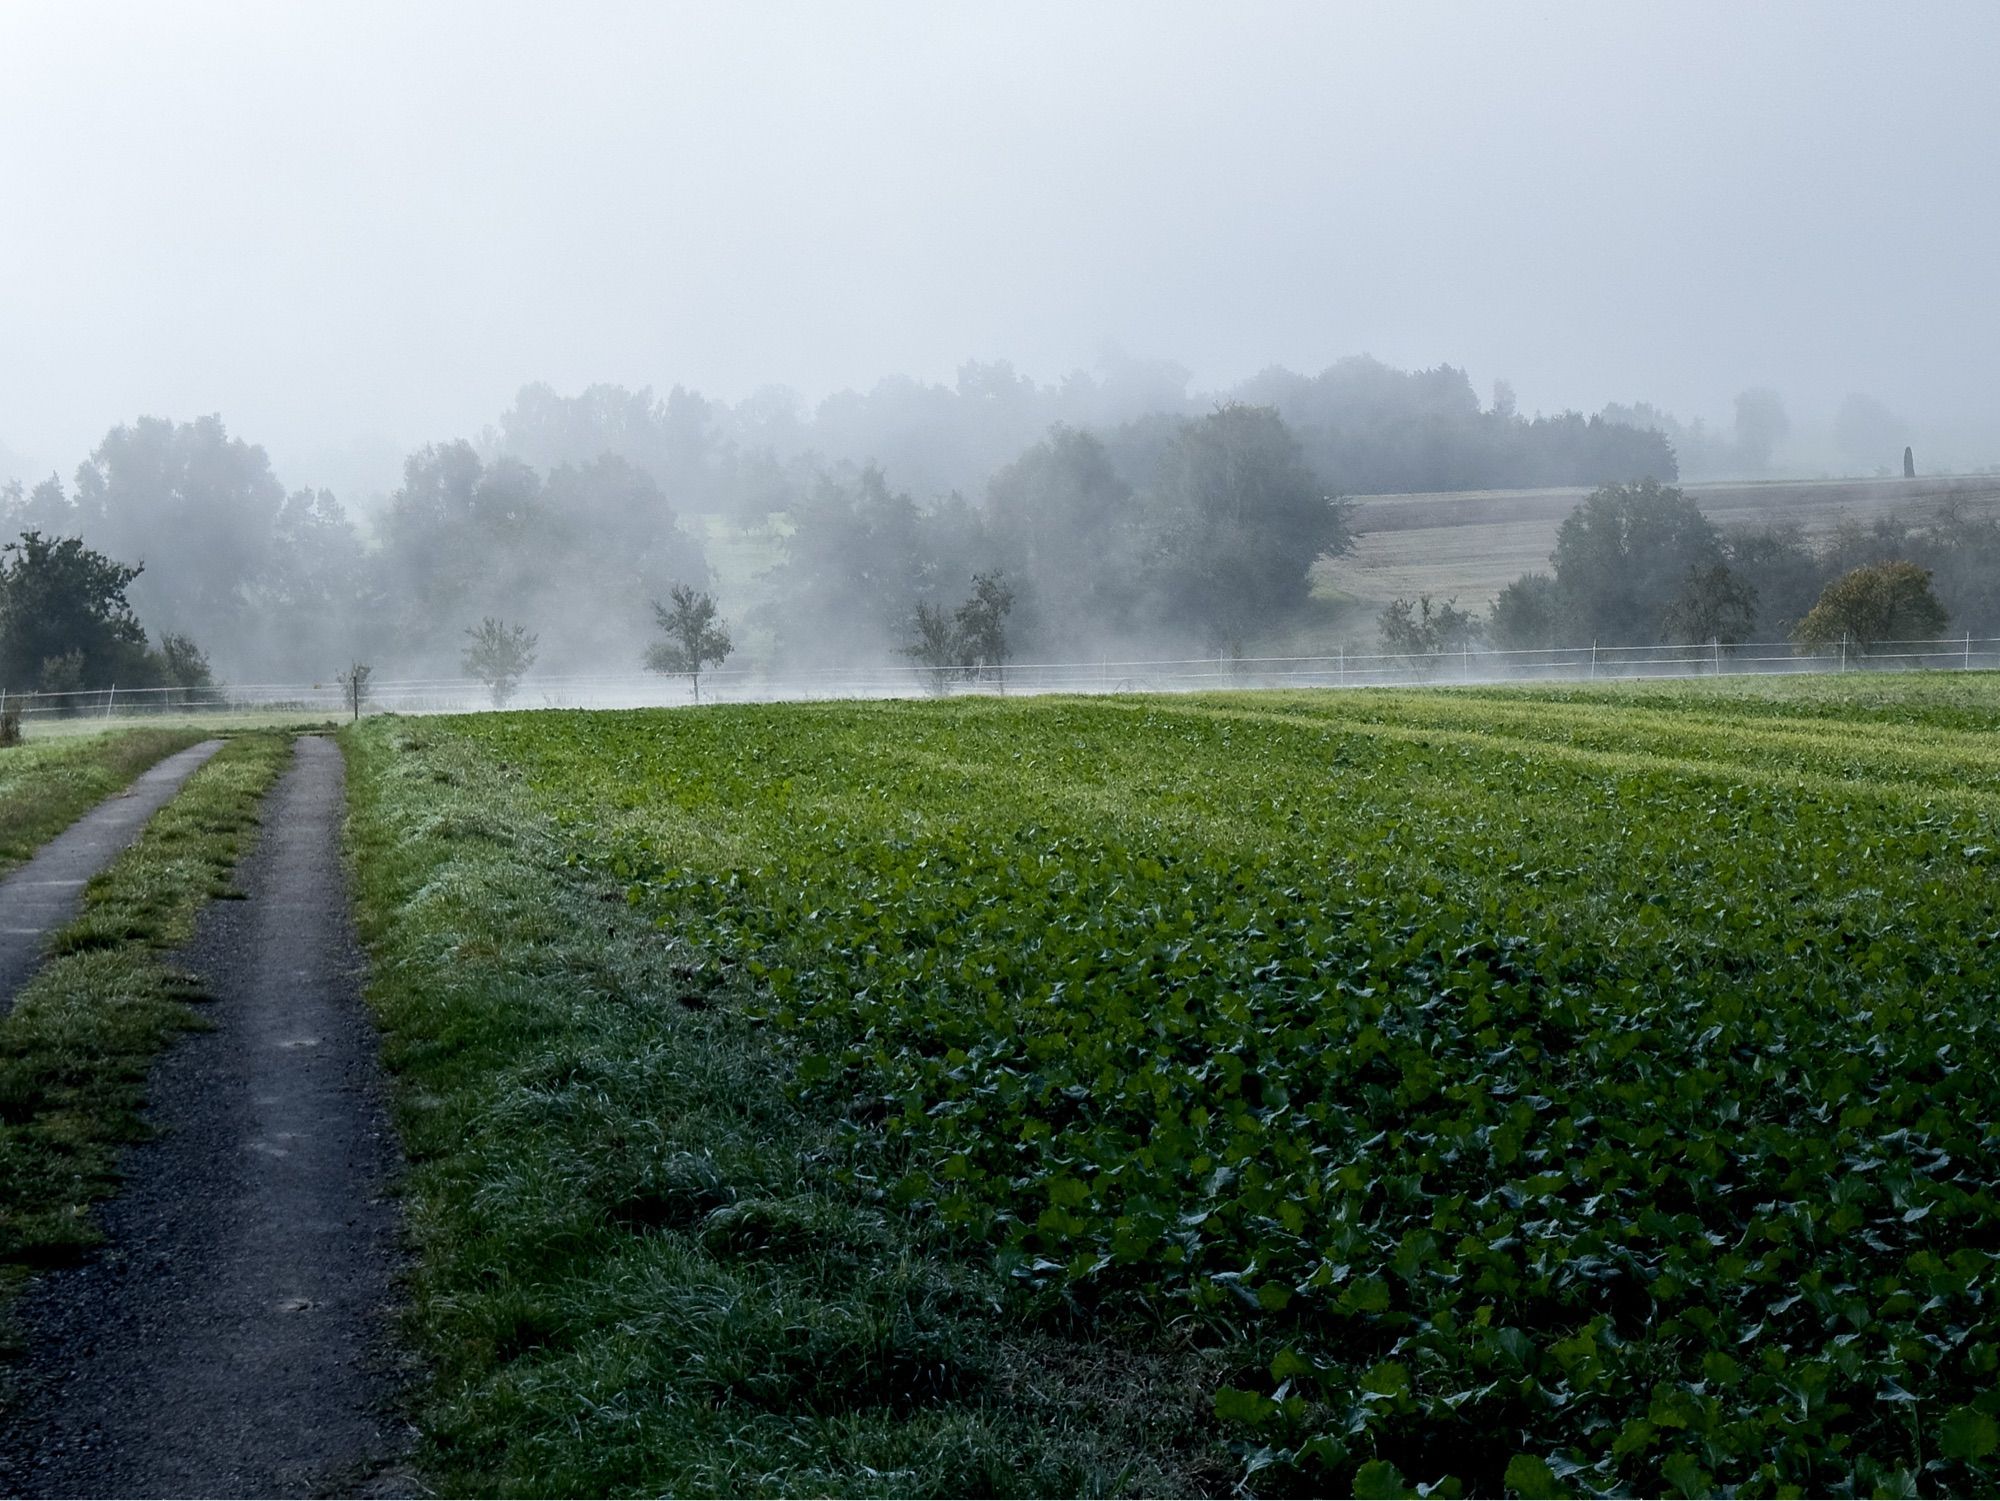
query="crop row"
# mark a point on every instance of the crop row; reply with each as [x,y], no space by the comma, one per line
[1590,1095]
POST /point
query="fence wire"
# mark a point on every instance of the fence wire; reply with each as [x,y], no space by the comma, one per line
[1340,669]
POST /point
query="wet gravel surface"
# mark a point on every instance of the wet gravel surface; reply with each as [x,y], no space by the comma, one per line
[44,894]
[234,1336]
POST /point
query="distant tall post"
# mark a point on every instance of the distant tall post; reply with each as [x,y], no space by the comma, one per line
[1909,462]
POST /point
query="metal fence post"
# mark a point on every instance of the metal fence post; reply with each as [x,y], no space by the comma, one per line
[1593,661]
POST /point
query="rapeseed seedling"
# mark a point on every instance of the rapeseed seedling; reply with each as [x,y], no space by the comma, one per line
[1505,1089]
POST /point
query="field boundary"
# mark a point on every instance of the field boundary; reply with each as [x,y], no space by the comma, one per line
[1337,669]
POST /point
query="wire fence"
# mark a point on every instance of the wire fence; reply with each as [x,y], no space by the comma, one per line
[1340,669]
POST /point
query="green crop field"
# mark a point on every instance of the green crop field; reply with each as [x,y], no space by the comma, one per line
[1551,1091]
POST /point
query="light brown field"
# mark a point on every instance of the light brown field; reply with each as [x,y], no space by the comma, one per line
[1473,543]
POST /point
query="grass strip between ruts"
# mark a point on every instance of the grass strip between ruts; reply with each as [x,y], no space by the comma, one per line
[75,1051]
[638,1269]
[46,785]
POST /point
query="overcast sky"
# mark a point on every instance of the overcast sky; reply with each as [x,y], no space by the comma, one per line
[346,225]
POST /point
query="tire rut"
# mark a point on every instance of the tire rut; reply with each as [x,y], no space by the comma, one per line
[235,1334]
[44,894]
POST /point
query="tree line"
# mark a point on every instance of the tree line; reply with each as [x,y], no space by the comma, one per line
[1112,514]
[1640,564]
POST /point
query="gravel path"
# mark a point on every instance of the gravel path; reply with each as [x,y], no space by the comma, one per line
[234,1336]
[42,895]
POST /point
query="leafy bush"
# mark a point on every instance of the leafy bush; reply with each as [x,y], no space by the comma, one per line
[1883,602]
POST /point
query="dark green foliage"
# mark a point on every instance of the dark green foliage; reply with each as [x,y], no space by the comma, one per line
[61,603]
[1526,615]
[1498,1085]
[1885,602]
[1622,559]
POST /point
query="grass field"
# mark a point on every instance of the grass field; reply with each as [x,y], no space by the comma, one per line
[1533,1090]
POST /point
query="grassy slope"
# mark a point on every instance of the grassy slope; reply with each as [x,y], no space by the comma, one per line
[643,1268]
[75,1050]
[630,1220]
[46,785]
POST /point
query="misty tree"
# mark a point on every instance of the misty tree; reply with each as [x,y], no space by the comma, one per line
[982,623]
[936,644]
[1868,606]
[1526,615]
[1784,572]
[1621,557]
[696,639]
[1065,523]
[859,558]
[1714,605]
[198,506]
[1424,632]
[1241,522]
[499,655]
[183,664]
[353,682]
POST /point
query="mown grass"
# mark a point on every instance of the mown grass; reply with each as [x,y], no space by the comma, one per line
[46,785]
[75,1050]
[1498,1088]
[644,1267]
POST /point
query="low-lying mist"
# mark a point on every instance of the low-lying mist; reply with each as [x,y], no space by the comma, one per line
[1114,516]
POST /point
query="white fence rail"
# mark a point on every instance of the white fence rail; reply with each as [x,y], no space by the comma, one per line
[1338,670]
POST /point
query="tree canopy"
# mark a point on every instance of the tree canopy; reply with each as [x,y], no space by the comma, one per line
[65,622]
[1871,605]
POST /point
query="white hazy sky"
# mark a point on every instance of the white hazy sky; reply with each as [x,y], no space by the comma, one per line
[344,225]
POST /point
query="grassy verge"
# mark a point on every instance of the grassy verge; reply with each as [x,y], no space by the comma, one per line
[74,1052]
[46,785]
[643,1265]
